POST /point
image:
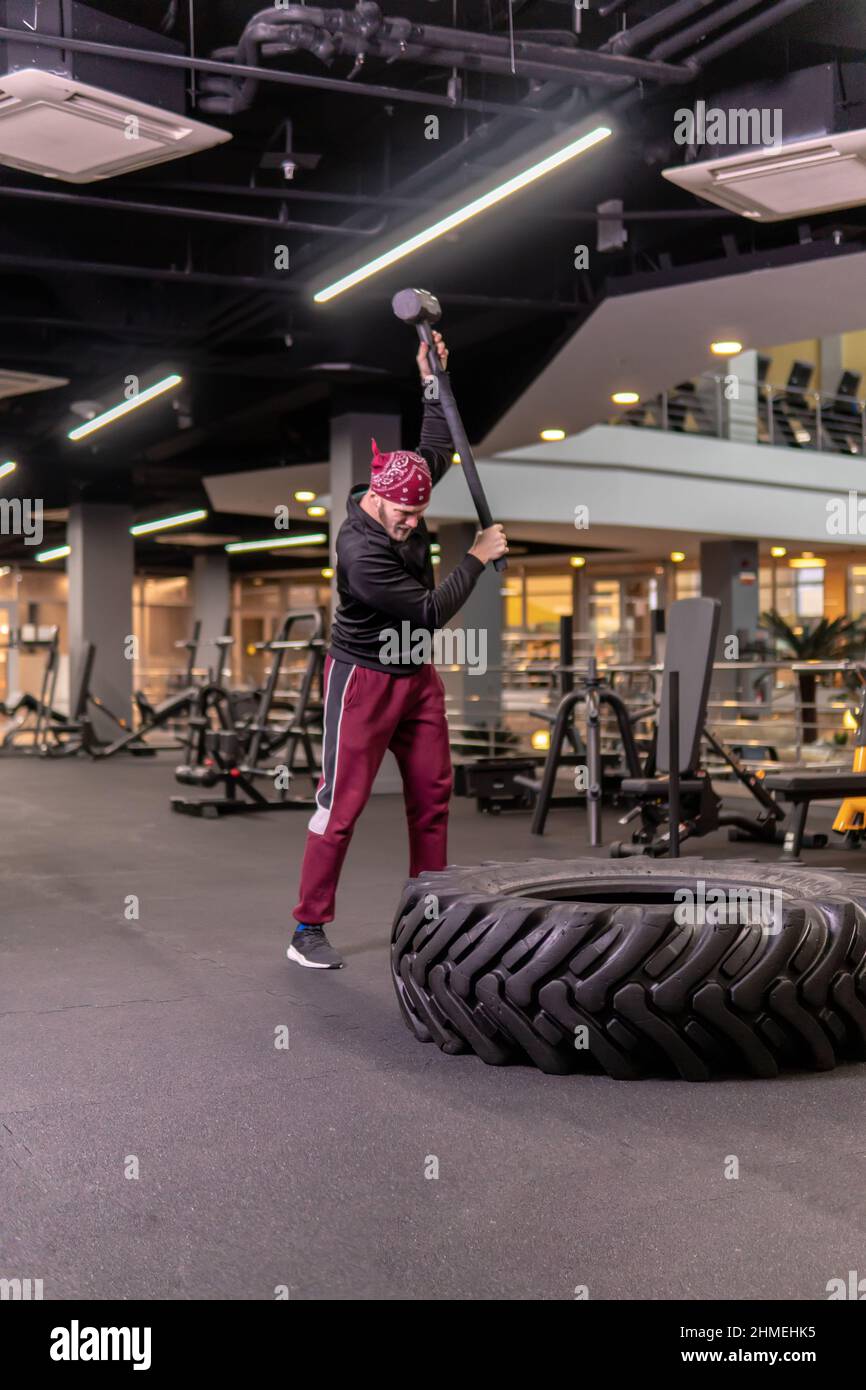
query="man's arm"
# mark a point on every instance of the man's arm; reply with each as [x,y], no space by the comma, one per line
[436,445]
[379,580]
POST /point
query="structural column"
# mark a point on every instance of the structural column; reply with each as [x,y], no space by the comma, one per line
[100,570]
[832,366]
[211,603]
[740,395]
[476,686]
[729,572]
[350,459]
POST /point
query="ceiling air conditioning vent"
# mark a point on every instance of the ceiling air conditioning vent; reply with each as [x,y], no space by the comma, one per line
[807,176]
[22,383]
[66,130]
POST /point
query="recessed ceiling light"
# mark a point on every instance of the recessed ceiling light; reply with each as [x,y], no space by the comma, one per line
[317,511]
[552,435]
[577,562]
[455,457]
[726,347]
[305,496]
[677,557]
[777,551]
[7,468]
[327,572]
[625,397]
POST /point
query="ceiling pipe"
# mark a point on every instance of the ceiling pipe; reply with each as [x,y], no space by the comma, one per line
[709,52]
[629,39]
[141,272]
[588,62]
[365,31]
[235,219]
[694,33]
[227,190]
[378,200]
[549,64]
[272,75]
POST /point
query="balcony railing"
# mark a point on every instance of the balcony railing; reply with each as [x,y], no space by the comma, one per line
[725,407]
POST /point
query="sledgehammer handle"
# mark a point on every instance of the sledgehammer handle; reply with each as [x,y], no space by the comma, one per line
[458,435]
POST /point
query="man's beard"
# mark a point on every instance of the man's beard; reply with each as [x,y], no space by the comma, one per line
[399,532]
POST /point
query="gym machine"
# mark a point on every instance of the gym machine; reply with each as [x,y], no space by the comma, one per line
[238,754]
[674,798]
[77,733]
[800,789]
[31,714]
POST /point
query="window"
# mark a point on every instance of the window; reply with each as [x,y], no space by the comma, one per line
[809,593]
[856,591]
[687,583]
[548,598]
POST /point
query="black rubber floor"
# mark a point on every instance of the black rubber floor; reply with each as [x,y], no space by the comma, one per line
[150,1043]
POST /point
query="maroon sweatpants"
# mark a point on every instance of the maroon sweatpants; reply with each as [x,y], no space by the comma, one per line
[366,713]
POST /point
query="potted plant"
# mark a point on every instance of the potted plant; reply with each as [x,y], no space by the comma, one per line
[838,640]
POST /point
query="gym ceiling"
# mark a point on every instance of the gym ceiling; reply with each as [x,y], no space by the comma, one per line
[172,268]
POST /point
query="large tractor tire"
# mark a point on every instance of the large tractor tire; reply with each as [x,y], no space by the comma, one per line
[586,965]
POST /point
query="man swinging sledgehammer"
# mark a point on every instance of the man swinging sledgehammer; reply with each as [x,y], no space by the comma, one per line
[385,578]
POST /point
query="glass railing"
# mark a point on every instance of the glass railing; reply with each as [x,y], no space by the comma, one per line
[769,712]
[728,407]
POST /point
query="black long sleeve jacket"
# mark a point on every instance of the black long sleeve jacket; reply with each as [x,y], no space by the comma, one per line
[382,583]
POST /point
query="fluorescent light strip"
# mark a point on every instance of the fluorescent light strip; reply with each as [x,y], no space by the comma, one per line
[7,468]
[116,411]
[235,547]
[455,219]
[144,528]
[317,538]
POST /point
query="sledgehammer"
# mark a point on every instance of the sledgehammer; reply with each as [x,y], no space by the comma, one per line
[422,308]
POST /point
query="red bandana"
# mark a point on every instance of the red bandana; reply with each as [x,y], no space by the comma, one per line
[401,477]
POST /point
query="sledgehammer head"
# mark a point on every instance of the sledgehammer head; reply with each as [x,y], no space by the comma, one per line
[416,306]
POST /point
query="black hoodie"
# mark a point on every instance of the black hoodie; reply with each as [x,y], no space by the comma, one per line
[383,583]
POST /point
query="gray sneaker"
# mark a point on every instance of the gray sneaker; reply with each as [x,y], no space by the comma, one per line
[312,948]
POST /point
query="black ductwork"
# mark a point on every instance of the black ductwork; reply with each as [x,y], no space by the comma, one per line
[365,32]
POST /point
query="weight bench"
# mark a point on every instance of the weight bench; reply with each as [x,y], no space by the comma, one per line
[801,789]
